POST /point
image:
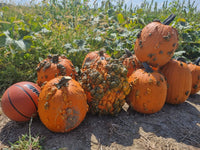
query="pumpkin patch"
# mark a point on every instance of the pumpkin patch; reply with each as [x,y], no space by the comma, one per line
[145,80]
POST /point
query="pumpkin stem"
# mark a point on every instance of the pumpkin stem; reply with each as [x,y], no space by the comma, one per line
[101,53]
[147,67]
[55,59]
[156,20]
[128,53]
[49,56]
[181,59]
[63,82]
[169,19]
[197,61]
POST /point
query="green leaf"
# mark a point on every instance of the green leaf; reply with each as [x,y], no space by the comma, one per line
[120,18]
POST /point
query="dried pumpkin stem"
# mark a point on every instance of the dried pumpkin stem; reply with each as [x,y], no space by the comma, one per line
[63,82]
[169,19]
[55,59]
[197,61]
[101,53]
[147,67]
[128,53]
[181,59]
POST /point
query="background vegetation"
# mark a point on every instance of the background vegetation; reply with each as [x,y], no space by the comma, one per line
[73,28]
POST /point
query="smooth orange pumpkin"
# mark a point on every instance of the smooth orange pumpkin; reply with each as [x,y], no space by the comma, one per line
[148,92]
[62,104]
[195,70]
[179,80]
[53,66]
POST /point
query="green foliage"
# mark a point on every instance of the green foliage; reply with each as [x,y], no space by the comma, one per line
[27,141]
[72,28]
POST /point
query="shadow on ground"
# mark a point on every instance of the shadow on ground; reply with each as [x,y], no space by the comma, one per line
[179,123]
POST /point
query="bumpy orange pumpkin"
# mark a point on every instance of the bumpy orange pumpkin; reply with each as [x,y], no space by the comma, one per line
[195,70]
[106,85]
[148,92]
[95,55]
[131,62]
[156,43]
[179,79]
[62,104]
[54,66]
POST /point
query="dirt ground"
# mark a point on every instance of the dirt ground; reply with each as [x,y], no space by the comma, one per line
[175,127]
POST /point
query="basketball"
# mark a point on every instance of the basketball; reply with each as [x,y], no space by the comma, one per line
[20,101]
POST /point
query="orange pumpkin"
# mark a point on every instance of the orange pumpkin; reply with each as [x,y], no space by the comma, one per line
[54,66]
[195,70]
[179,79]
[95,55]
[62,104]
[156,43]
[106,85]
[148,92]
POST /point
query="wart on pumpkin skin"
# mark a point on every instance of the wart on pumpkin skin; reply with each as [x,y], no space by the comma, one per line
[160,52]
[46,105]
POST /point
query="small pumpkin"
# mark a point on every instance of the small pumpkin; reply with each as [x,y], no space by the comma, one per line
[95,55]
[131,62]
[195,70]
[62,104]
[148,92]
[156,43]
[106,85]
[179,80]
[53,66]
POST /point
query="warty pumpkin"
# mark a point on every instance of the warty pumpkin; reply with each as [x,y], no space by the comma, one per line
[131,62]
[53,66]
[106,85]
[157,43]
[195,70]
[148,91]
[179,80]
[62,104]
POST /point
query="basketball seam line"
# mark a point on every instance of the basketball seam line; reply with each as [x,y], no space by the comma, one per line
[28,95]
[15,107]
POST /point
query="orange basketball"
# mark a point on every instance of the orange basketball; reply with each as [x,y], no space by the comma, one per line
[19,102]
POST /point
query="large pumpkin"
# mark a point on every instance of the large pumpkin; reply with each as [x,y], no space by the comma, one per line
[156,43]
[53,66]
[62,104]
[195,70]
[106,85]
[179,79]
[148,92]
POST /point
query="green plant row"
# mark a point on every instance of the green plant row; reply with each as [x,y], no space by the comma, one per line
[73,28]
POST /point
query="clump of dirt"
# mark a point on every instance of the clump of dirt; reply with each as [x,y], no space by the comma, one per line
[174,127]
